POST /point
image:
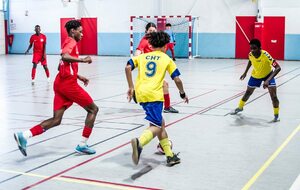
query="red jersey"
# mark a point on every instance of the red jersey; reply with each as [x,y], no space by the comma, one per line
[66,69]
[39,43]
[144,46]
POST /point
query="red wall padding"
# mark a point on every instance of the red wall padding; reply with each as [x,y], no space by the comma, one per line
[273,39]
[63,31]
[89,42]
[242,48]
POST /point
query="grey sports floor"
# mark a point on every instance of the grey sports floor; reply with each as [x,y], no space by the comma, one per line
[218,151]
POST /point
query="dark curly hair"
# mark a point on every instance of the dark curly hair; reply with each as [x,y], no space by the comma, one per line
[72,24]
[255,42]
[158,39]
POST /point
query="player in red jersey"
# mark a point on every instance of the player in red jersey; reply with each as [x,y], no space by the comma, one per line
[67,91]
[145,47]
[38,40]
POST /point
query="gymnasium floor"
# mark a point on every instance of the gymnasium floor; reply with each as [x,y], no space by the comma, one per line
[218,151]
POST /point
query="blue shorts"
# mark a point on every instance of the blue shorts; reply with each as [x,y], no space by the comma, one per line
[153,112]
[255,83]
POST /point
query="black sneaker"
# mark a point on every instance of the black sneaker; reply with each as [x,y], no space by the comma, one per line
[170,110]
[174,59]
[236,111]
[136,150]
[171,161]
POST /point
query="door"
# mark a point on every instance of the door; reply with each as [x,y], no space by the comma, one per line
[63,31]
[244,29]
[274,31]
[89,41]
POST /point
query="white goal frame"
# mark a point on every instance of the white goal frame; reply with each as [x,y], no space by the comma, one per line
[189,19]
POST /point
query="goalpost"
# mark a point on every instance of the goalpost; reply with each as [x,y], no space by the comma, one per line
[181,27]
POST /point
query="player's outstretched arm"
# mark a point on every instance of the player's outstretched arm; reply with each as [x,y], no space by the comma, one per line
[274,73]
[83,79]
[246,71]
[29,47]
[68,58]
[179,85]
[128,73]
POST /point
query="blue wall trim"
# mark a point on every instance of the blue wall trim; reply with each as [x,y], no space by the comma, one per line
[211,45]
[216,45]
[21,43]
[291,50]
[114,44]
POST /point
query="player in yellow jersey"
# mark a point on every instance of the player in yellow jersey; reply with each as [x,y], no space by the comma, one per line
[262,63]
[148,91]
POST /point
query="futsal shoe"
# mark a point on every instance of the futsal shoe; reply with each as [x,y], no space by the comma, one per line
[136,150]
[174,59]
[48,80]
[22,142]
[170,110]
[276,118]
[84,149]
[236,111]
[32,82]
[171,161]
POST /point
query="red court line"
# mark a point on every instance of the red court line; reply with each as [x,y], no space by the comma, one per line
[82,163]
[127,116]
[110,183]
[208,108]
[120,146]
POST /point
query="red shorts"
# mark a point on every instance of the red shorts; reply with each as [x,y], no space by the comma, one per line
[68,91]
[37,57]
[170,46]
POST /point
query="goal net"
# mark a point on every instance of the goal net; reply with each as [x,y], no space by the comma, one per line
[181,27]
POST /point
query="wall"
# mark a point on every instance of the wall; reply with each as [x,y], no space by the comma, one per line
[214,26]
[291,10]
[2,34]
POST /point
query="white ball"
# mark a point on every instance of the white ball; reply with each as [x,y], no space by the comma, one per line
[161,150]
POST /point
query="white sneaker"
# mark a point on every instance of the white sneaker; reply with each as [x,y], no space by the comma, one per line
[32,82]
[48,79]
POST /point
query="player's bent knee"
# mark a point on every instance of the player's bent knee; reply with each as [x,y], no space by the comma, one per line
[249,92]
[93,109]
[275,99]
[56,121]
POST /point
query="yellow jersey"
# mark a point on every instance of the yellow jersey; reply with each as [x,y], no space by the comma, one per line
[152,68]
[262,66]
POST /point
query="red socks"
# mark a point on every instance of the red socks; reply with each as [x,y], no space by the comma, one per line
[167,100]
[33,71]
[36,130]
[87,132]
[47,73]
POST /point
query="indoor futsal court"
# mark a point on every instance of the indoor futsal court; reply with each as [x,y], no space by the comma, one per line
[225,138]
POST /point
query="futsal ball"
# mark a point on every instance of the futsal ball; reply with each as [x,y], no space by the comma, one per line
[161,150]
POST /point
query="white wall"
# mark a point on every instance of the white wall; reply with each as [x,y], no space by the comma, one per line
[215,16]
[46,13]
[2,34]
[113,15]
[288,8]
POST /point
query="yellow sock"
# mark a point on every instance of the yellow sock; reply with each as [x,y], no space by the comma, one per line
[241,104]
[146,137]
[276,111]
[165,144]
